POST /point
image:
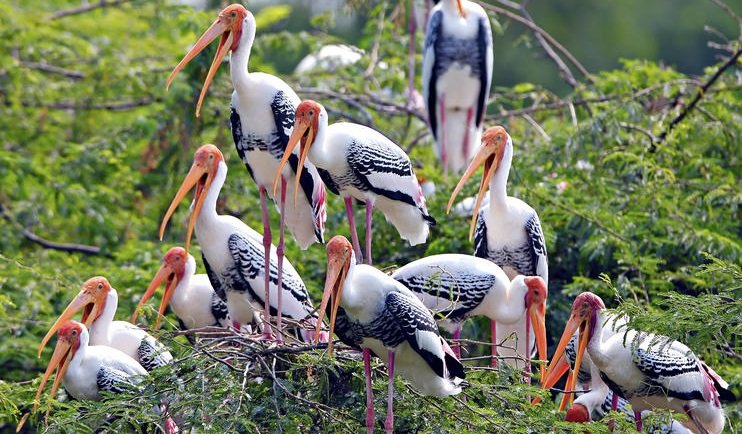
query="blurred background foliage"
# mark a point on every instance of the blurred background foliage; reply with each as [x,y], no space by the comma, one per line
[639,209]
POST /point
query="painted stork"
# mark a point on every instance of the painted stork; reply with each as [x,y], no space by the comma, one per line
[649,371]
[232,251]
[98,302]
[380,315]
[262,114]
[458,287]
[508,231]
[87,370]
[195,302]
[457,73]
[357,162]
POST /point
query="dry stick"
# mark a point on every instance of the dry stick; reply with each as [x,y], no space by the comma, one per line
[701,91]
[564,71]
[535,28]
[53,245]
[113,106]
[85,8]
[41,66]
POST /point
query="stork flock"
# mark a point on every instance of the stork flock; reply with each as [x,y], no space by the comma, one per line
[293,153]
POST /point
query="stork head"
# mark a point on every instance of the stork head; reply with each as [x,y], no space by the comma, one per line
[339,260]
[91,300]
[584,318]
[70,335]
[535,300]
[203,170]
[229,25]
[490,154]
[306,124]
[577,413]
[171,273]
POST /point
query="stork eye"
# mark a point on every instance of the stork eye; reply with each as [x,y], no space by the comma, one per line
[74,332]
[233,14]
[311,112]
[100,286]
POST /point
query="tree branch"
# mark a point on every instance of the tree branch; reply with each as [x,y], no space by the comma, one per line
[65,247]
[69,73]
[114,106]
[701,91]
[85,8]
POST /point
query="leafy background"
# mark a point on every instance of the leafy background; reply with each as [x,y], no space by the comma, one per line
[643,211]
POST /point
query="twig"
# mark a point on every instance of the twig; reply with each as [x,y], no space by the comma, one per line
[535,28]
[564,71]
[374,55]
[723,6]
[85,8]
[113,106]
[646,132]
[65,247]
[701,91]
[69,73]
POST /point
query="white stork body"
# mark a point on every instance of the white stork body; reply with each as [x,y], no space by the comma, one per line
[357,162]
[232,251]
[126,337]
[457,287]
[457,74]
[381,315]
[97,368]
[649,371]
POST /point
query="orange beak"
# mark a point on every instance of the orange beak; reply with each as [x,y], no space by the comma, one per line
[537,314]
[553,373]
[301,126]
[337,270]
[165,275]
[560,368]
[199,177]
[490,157]
[85,301]
[63,354]
[460,6]
[218,28]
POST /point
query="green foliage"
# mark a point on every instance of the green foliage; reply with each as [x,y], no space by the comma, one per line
[93,152]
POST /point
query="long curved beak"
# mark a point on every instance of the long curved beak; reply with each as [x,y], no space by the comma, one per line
[572,326]
[82,301]
[297,135]
[60,360]
[199,177]
[218,28]
[537,312]
[336,273]
[560,368]
[487,156]
[167,276]
[460,6]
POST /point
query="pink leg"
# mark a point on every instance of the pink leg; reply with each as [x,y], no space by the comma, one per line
[465,147]
[369,209]
[457,345]
[614,406]
[280,253]
[695,420]
[389,422]
[353,232]
[527,372]
[267,237]
[638,418]
[369,391]
[442,133]
[493,333]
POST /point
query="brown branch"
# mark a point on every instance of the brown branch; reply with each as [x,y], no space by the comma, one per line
[113,106]
[53,245]
[701,91]
[85,8]
[535,28]
[69,73]
[564,71]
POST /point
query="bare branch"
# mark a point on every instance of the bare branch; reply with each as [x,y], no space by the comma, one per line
[85,8]
[114,106]
[701,91]
[69,73]
[564,71]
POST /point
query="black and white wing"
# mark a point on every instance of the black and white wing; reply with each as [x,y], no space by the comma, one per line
[481,249]
[537,245]
[416,324]
[430,68]
[216,283]
[484,45]
[220,311]
[152,354]
[248,275]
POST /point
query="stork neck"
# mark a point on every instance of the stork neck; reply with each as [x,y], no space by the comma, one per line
[240,56]
[180,292]
[594,345]
[512,306]
[499,181]
[319,154]
[350,298]
[208,210]
[100,327]
[81,352]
